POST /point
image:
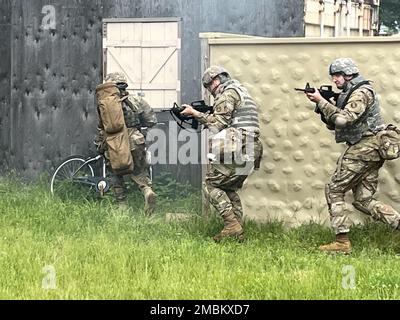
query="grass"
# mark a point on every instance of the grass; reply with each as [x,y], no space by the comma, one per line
[91,250]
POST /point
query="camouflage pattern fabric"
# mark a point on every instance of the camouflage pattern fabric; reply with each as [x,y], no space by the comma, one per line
[140,170]
[221,191]
[361,177]
[354,109]
[140,166]
[346,66]
[144,117]
[224,179]
[147,116]
[211,73]
[137,113]
[224,106]
[357,169]
[116,77]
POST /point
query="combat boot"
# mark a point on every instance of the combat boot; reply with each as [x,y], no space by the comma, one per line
[341,244]
[231,228]
[240,220]
[120,198]
[149,200]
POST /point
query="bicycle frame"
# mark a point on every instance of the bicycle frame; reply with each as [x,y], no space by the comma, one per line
[89,171]
[100,183]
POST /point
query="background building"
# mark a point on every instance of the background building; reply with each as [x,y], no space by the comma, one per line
[338,18]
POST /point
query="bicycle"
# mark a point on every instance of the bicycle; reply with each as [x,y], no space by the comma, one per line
[77,171]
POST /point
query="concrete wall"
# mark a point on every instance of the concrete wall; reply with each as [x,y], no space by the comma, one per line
[300,153]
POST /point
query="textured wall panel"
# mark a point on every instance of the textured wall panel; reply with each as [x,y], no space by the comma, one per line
[54,72]
[300,153]
[5,84]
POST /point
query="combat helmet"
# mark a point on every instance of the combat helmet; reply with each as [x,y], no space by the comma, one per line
[346,66]
[211,73]
[116,77]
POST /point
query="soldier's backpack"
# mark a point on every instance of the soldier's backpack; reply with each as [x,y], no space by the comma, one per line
[112,117]
[110,107]
[119,152]
[389,142]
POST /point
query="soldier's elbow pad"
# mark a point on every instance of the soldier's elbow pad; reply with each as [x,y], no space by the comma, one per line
[340,121]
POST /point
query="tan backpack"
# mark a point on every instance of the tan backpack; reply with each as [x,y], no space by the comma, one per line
[119,151]
[110,107]
[112,117]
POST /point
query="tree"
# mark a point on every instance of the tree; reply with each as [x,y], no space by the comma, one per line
[389,14]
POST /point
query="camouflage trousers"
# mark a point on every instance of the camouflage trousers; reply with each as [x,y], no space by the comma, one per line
[220,189]
[223,180]
[361,177]
[140,174]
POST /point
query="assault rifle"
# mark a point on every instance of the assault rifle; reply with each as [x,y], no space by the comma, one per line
[176,110]
[326,92]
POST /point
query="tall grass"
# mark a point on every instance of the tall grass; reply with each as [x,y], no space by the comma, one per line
[96,251]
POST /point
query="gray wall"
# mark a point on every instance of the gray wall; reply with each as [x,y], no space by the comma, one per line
[5,73]
[54,72]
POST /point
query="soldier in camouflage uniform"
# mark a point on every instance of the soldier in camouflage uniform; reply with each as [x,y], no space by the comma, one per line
[356,119]
[236,118]
[137,114]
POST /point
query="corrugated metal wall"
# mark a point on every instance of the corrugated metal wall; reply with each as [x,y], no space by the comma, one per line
[54,72]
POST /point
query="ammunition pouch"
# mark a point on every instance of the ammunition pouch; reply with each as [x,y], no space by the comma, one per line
[233,145]
[389,142]
[226,143]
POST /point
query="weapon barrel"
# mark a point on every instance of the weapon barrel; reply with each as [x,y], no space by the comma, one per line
[307,90]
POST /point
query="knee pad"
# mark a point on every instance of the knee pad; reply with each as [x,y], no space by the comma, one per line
[216,195]
[338,209]
[219,200]
[211,193]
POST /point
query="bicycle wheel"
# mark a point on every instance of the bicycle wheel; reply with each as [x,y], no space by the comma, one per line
[69,179]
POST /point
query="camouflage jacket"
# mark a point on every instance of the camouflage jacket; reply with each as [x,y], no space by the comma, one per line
[366,148]
[224,106]
[137,114]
